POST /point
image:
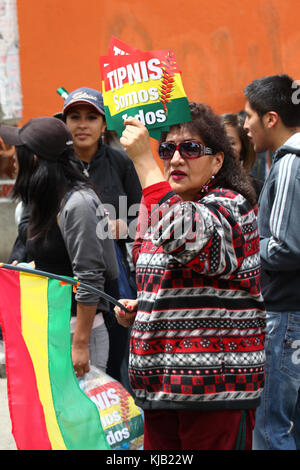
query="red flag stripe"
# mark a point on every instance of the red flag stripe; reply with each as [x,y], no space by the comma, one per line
[25,405]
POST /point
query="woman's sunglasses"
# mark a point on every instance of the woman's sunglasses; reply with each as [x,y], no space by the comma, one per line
[187,149]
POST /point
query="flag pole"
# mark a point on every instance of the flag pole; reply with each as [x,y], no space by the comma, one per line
[66,280]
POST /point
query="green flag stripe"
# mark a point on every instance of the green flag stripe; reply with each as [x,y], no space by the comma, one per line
[77,416]
[178,111]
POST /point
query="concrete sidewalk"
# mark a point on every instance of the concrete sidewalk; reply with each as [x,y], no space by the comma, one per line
[7,441]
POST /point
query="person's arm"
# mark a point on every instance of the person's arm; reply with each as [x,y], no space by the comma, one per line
[83,222]
[126,319]
[119,228]
[207,237]
[18,253]
[135,140]
[85,315]
[281,251]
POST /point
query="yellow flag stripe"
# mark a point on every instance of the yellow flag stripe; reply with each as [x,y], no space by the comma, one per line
[34,308]
[128,94]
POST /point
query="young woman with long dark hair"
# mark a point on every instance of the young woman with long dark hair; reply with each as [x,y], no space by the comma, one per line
[67,232]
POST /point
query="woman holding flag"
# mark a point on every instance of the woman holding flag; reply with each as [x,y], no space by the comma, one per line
[67,227]
[197,343]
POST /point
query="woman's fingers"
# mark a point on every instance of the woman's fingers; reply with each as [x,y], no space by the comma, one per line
[124,318]
[135,139]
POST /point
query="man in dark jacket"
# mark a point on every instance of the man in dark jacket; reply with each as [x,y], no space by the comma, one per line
[273,123]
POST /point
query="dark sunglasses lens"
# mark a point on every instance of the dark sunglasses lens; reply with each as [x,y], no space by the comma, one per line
[191,149]
[166,150]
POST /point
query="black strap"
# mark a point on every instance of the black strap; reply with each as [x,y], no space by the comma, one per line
[67,280]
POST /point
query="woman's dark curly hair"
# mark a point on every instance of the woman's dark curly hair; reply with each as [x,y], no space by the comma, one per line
[209,127]
[247,155]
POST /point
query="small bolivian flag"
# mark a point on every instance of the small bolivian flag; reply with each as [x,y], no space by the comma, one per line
[47,407]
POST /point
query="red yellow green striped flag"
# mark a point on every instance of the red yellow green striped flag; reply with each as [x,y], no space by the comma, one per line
[47,407]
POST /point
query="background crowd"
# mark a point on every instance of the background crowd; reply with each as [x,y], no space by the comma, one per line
[213,314]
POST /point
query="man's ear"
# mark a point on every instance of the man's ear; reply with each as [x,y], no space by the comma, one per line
[270,119]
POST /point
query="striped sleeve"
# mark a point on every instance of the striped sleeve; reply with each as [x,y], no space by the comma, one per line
[281,251]
[205,237]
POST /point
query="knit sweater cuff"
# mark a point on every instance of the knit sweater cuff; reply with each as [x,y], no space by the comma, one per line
[154,193]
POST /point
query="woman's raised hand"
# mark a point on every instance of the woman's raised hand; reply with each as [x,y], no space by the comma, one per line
[135,140]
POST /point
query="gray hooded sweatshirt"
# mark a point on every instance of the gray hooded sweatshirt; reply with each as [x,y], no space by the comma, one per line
[85,230]
[279,229]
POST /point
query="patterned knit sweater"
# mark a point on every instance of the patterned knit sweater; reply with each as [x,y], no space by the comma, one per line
[198,337]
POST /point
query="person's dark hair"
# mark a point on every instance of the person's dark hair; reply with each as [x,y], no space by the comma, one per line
[26,163]
[247,155]
[274,93]
[42,184]
[209,127]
